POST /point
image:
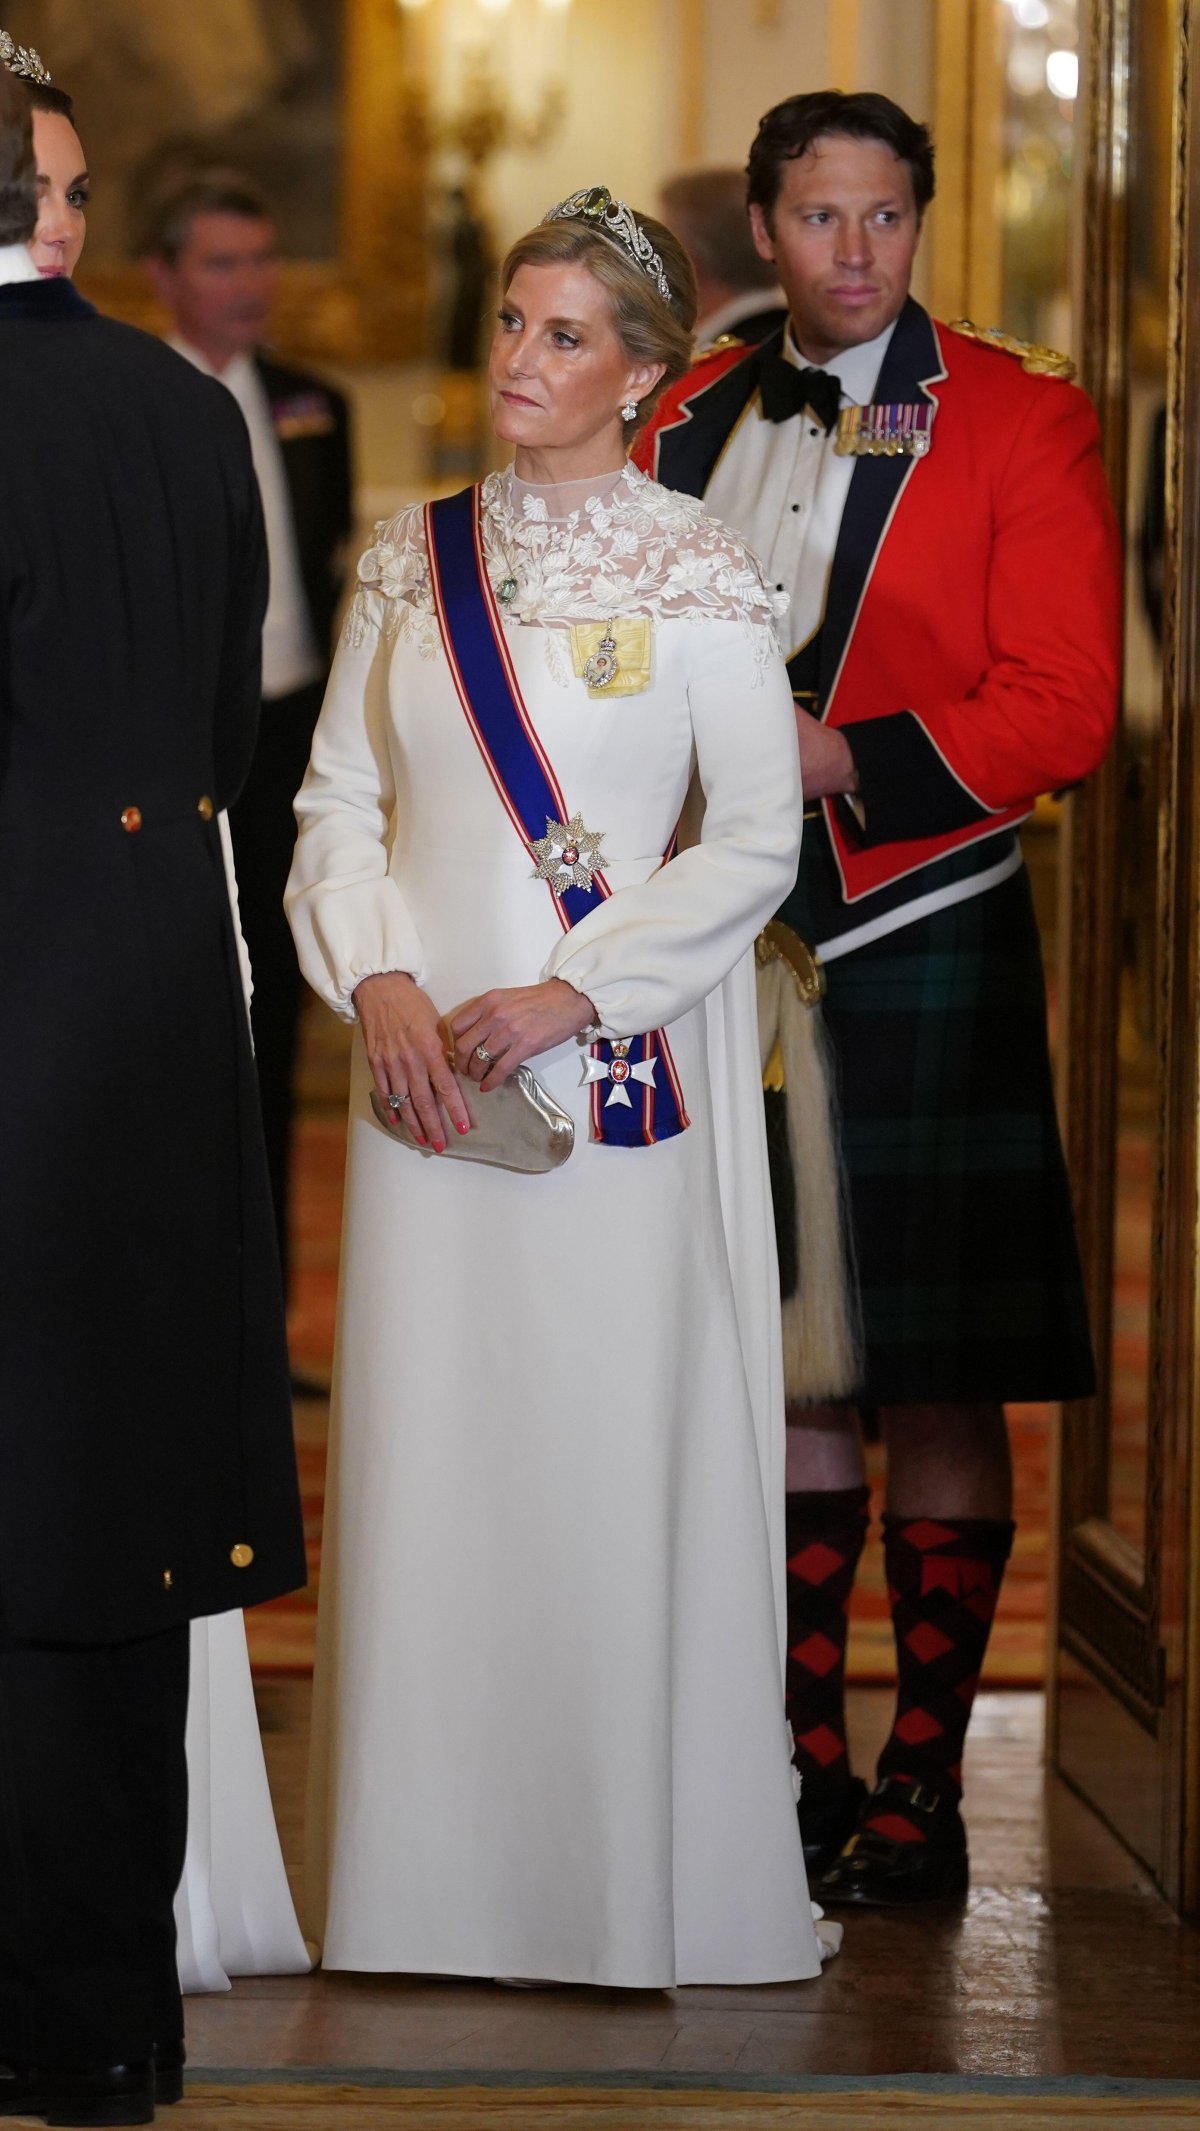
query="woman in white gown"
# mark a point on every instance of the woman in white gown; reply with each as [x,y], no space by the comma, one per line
[548,1733]
[233,1912]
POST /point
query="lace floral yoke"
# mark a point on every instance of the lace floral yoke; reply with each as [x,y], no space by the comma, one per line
[580,551]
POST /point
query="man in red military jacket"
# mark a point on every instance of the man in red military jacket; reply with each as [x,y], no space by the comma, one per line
[933,502]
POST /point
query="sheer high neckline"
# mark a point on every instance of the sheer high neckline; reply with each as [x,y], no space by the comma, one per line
[560,499]
[629,547]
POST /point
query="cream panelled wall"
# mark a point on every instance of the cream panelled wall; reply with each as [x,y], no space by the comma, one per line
[750,55]
[651,86]
[657,85]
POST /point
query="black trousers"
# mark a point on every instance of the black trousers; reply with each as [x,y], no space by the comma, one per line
[93,1830]
[264,836]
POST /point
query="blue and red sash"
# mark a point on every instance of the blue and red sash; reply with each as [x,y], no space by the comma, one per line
[490,694]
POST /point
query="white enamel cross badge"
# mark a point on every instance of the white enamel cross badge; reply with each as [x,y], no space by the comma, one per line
[620,1073]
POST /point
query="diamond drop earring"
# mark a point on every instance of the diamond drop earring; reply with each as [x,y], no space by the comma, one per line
[629,411]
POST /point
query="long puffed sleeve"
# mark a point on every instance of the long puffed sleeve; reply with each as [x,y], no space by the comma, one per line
[654,951]
[348,916]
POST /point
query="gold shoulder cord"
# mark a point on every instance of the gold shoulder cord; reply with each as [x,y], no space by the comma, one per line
[718,346]
[1037,360]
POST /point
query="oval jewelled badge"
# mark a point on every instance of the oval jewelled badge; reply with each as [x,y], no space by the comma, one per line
[603,665]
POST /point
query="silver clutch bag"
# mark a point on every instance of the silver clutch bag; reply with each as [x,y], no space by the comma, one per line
[515,1126]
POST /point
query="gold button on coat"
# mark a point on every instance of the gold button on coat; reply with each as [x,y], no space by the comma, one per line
[241,1555]
[131,820]
[205,807]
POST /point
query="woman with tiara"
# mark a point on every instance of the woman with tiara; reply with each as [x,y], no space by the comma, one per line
[233,1911]
[548,1738]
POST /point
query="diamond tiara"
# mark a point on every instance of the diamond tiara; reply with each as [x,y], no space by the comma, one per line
[22,60]
[595,204]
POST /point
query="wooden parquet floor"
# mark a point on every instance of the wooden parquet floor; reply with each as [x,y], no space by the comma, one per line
[1065,1964]
[282,2107]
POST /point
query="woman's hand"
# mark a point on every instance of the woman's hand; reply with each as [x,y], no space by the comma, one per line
[515,1024]
[406,1046]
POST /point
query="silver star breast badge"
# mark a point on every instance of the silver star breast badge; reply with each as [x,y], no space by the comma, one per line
[567,855]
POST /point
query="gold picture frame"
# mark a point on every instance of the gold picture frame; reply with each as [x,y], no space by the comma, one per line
[367,305]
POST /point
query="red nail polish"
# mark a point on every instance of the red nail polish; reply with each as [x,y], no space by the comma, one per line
[464,1128]
[439,1146]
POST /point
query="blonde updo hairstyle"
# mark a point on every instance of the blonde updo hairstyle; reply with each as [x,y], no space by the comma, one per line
[650,329]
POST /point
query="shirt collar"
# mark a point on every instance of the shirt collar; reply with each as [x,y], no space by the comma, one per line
[16,264]
[856,369]
[236,373]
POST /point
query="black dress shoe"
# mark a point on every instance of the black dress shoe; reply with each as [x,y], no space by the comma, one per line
[169,2061]
[117,2094]
[881,1871]
[827,1823]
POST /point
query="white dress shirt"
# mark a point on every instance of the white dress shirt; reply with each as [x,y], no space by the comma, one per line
[290,655]
[16,264]
[782,486]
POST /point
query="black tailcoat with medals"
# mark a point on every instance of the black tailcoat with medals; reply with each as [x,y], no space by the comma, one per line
[147,1474]
[312,423]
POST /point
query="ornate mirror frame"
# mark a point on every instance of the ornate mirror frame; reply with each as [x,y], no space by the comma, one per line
[368,304]
[1127,1706]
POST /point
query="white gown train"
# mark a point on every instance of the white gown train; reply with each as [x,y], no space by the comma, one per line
[233,1911]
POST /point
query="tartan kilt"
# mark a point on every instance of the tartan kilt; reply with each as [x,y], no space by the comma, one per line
[960,1210]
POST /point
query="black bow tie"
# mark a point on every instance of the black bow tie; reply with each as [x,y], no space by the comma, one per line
[786,390]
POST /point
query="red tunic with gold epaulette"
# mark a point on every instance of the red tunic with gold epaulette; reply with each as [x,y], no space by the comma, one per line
[980,668]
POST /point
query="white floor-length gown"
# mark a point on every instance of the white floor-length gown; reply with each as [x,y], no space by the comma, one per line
[549,1738]
[233,1911]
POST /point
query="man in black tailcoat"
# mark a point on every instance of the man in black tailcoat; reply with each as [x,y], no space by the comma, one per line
[146,1468]
[213,255]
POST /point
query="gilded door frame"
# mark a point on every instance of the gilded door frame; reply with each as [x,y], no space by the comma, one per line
[1127,1619]
[368,304]
[965,260]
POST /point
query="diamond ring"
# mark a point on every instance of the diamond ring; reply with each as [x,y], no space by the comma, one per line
[397,1102]
[485,1056]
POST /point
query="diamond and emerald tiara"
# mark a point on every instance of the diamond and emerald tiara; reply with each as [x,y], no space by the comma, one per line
[22,60]
[595,204]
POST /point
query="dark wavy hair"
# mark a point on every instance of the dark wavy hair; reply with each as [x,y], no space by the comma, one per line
[18,171]
[47,96]
[790,129]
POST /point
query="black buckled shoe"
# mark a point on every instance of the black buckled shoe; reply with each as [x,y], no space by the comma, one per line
[169,2061]
[116,2094]
[826,1824]
[880,1870]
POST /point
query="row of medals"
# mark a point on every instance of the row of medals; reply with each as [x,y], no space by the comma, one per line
[884,432]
